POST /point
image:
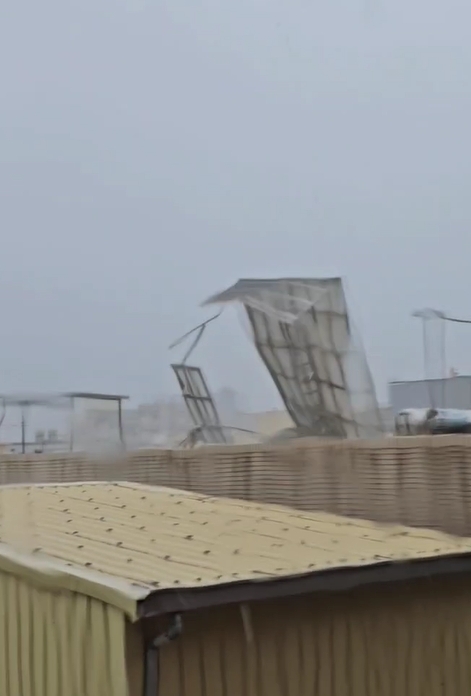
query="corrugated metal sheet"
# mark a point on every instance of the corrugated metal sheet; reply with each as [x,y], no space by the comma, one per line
[59,644]
[120,542]
[410,639]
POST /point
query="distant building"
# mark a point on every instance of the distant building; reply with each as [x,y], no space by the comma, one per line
[268,423]
[452,392]
[387,419]
[227,401]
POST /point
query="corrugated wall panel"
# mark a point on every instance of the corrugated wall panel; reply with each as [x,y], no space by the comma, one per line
[411,639]
[453,392]
[59,644]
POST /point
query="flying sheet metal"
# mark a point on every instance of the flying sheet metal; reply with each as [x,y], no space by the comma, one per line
[304,336]
[200,404]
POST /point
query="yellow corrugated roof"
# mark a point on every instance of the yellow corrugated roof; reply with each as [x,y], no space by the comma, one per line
[122,541]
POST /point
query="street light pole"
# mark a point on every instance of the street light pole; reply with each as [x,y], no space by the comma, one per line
[426,315]
[443,355]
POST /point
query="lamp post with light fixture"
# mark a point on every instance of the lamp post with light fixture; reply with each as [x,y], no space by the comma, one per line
[425,315]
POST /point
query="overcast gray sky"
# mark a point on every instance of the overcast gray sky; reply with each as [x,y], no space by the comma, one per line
[152,152]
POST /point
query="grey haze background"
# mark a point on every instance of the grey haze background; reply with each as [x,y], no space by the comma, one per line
[152,152]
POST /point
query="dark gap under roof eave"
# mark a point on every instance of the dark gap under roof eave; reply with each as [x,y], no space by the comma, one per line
[180,600]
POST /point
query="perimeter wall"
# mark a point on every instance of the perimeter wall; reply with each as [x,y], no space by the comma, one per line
[420,481]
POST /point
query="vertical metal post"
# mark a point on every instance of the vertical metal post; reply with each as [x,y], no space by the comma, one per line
[425,315]
[23,429]
[426,361]
[120,423]
[424,346]
[444,368]
[72,423]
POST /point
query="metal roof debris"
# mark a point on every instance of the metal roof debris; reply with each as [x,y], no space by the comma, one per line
[196,395]
[304,336]
[200,405]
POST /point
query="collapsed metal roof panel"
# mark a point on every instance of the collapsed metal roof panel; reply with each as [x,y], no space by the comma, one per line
[303,333]
[200,404]
[248,286]
[285,298]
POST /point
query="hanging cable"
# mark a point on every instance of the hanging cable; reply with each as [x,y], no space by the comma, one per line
[457,321]
[200,329]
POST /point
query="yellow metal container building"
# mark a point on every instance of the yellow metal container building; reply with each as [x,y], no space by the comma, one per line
[112,589]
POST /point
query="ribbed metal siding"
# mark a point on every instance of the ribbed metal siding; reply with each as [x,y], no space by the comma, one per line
[454,392]
[58,644]
[397,640]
